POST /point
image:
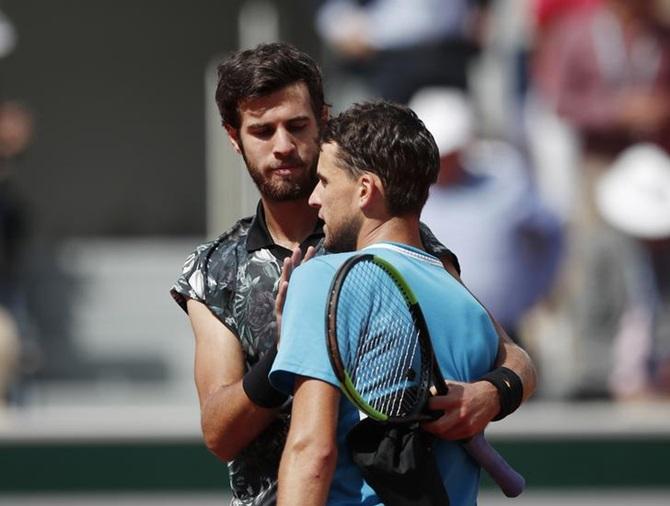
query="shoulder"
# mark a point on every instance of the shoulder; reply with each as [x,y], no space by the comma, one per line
[211,260]
[224,248]
[232,238]
[436,248]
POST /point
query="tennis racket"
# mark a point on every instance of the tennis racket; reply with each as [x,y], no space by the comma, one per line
[381,352]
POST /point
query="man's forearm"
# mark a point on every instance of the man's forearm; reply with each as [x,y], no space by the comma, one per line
[231,421]
[305,475]
[310,455]
[514,357]
[230,417]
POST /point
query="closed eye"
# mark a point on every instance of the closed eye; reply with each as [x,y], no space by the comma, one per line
[262,131]
[296,127]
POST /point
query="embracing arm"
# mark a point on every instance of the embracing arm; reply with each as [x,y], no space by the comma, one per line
[310,455]
[514,357]
[469,407]
[230,420]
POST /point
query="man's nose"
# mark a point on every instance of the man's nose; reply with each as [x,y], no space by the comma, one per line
[284,143]
[314,198]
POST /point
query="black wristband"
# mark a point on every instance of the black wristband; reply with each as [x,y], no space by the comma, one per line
[257,385]
[510,390]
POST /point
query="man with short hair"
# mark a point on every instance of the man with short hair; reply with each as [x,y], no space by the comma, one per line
[272,106]
[376,165]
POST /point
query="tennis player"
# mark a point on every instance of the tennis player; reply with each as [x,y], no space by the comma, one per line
[272,108]
[376,165]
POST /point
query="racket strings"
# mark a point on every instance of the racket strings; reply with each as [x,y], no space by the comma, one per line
[383,357]
[399,328]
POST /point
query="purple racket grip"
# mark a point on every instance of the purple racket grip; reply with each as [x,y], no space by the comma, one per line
[509,481]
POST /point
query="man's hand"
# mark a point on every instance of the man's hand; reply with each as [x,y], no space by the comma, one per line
[290,263]
[468,408]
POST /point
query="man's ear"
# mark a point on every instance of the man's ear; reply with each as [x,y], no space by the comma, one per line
[370,190]
[234,138]
[325,114]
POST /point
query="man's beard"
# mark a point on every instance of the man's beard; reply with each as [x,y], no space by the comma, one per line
[283,190]
[345,237]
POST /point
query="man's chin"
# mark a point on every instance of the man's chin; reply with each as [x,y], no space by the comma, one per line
[337,246]
[288,195]
[283,189]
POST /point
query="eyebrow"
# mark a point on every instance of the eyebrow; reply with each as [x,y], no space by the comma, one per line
[259,125]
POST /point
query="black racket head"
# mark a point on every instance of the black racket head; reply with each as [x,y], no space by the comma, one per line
[378,342]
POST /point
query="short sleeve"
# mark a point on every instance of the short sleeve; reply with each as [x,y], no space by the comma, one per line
[436,248]
[209,276]
[302,348]
[191,283]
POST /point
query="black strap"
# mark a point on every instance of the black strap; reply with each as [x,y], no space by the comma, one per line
[510,390]
[257,386]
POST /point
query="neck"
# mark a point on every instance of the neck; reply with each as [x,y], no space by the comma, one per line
[400,229]
[290,222]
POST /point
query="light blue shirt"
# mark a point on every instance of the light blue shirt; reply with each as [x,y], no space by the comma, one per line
[463,336]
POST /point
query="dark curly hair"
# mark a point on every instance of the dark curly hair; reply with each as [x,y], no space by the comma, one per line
[388,140]
[258,72]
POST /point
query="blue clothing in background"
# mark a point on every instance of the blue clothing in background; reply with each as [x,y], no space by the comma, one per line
[508,242]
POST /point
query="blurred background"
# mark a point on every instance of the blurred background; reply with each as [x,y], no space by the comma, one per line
[553,123]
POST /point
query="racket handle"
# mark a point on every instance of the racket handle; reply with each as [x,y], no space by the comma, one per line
[509,481]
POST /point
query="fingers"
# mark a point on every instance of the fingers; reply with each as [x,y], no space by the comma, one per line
[294,260]
[464,412]
[441,428]
[309,254]
[279,306]
[449,426]
[288,265]
[296,257]
[281,298]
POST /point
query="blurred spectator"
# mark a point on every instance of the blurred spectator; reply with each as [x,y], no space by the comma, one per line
[604,70]
[485,208]
[603,67]
[397,47]
[629,308]
[541,17]
[15,136]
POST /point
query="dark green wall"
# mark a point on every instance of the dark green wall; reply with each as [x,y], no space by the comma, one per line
[613,462]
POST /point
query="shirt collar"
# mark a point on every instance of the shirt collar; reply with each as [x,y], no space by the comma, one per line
[259,235]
